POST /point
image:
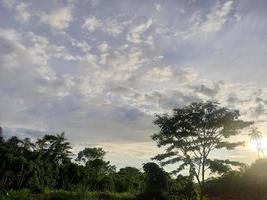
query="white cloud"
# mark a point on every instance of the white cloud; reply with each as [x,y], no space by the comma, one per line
[103,47]
[212,22]
[44,48]
[105,80]
[135,32]
[58,18]
[22,12]
[90,60]
[121,61]
[82,45]
[159,74]
[217,17]
[92,23]
[111,26]
[158,7]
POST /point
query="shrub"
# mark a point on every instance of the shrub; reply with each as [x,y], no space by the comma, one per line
[17,195]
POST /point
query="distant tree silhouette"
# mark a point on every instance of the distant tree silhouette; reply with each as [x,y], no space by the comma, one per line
[1,135]
[96,169]
[192,132]
[247,184]
[129,179]
[88,154]
[55,147]
[156,182]
[256,135]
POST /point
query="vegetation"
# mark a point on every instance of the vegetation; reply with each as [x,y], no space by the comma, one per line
[46,168]
[248,184]
[256,136]
[192,133]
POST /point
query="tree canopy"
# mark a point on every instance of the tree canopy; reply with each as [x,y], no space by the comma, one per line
[192,132]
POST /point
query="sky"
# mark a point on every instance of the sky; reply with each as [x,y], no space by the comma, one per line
[101,69]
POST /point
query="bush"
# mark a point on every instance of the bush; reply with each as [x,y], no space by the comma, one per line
[65,195]
[17,195]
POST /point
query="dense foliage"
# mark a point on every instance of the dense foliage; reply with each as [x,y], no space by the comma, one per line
[251,183]
[47,169]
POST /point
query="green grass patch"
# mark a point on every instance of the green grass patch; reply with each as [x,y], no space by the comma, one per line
[65,195]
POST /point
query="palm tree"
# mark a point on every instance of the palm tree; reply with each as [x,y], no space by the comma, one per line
[256,135]
[27,144]
[55,147]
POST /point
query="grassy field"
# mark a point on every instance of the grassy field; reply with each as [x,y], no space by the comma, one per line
[64,195]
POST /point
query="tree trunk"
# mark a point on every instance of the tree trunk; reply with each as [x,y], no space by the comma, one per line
[201,193]
[203,176]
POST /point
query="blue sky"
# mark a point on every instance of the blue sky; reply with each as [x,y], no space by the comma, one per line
[100,70]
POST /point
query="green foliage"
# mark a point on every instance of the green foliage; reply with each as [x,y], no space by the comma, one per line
[248,184]
[129,179]
[16,195]
[156,179]
[64,195]
[182,188]
[160,186]
[46,164]
[90,154]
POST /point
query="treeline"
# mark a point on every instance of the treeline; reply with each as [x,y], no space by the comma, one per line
[247,184]
[48,164]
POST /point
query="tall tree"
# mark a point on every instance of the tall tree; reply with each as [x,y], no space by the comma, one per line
[88,154]
[192,132]
[156,183]
[256,135]
[96,168]
[55,147]
[128,179]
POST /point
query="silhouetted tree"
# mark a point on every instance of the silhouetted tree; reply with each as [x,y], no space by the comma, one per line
[1,135]
[88,154]
[256,135]
[55,147]
[129,179]
[96,168]
[156,182]
[249,183]
[192,132]
[182,188]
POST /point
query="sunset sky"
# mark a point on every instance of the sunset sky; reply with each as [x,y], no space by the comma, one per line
[100,69]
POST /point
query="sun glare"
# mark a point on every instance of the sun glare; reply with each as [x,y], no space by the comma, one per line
[252,145]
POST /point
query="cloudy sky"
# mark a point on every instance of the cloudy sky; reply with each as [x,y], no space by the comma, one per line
[100,69]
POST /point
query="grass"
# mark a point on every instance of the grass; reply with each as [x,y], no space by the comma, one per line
[65,195]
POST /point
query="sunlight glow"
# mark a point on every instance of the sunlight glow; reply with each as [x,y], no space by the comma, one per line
[252,145]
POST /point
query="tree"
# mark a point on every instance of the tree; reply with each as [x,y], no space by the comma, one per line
[156,181]
[192,132]
[1,135]
[55,147]
[256,135]
[96,168]
[90,154]
[257,178]
[128,179]
[182,188]
[250,183]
